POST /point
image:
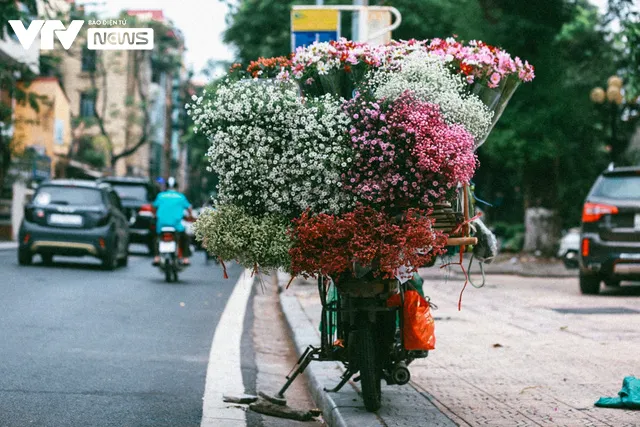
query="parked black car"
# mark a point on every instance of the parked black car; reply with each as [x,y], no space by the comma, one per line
[610,233]
[76,218]
[137,195]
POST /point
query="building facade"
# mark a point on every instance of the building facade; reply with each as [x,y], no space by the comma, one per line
[48,130]
[108,91]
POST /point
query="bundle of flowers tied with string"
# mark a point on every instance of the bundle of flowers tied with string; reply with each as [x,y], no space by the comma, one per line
[338,159]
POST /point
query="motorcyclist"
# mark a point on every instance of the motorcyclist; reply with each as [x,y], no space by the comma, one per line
[170,206]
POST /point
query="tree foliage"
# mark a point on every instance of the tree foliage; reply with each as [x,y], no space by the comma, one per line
[12,72]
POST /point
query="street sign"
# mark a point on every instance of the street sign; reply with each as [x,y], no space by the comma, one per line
[314,25]
[305,38]
[321,23]
[315,20]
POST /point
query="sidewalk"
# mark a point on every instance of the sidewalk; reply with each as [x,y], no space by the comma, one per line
[8,245]
[522,351]
[520,265]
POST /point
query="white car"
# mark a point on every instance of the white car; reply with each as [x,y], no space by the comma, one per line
[569,250]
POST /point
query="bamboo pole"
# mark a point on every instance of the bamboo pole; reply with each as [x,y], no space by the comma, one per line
[461,241]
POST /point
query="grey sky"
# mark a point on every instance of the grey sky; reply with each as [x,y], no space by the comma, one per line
[201,22]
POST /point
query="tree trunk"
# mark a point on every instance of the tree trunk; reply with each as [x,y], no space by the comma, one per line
[542,231]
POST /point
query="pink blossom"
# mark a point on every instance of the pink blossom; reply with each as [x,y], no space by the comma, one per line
[494,80]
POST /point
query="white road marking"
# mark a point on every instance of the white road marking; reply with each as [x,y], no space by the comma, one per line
[224,375]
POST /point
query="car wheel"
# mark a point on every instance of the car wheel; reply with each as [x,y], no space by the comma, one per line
[123,262]
[110,260]
[24,257]
[614,283]
[151,247]
[47,259]
[589,284]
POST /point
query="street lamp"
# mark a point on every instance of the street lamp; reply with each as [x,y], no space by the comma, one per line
[613,97]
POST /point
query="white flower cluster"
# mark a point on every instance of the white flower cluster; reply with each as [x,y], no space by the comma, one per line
[428,77]
[273,151]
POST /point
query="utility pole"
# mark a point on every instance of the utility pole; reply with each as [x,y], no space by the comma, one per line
[168,152]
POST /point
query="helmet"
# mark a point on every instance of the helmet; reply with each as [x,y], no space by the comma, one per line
[171,183]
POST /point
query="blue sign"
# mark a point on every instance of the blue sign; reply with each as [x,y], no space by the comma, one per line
[305,38]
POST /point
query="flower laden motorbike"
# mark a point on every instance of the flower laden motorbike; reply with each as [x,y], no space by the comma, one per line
[350,163]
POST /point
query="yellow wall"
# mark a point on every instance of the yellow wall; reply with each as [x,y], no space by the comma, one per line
[39,128]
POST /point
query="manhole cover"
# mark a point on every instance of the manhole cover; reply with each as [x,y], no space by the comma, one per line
[596,310]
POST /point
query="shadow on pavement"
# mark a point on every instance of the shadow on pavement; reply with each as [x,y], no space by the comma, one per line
[82,264]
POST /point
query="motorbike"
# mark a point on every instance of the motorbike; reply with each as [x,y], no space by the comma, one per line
[169,251]
[364,331]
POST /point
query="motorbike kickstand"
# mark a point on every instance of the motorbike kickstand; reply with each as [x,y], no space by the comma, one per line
[343,380]
[298,368]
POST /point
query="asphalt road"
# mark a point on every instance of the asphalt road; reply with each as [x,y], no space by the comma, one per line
[85,347]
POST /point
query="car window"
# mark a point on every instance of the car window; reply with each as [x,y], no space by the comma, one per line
[132,192]
[618,187]
[63,195]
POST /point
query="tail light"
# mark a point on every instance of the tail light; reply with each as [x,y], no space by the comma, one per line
[146,210]
[26,238]
[167,237]
[585,247]
[592,212]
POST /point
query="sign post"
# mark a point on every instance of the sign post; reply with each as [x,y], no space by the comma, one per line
[311,24]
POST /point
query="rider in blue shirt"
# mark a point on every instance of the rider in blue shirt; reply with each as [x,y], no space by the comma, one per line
[170,206]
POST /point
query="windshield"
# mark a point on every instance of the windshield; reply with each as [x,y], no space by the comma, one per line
[618,187]
[59,195]
[131,192]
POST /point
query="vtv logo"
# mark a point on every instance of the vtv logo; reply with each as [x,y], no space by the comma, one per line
[26,36]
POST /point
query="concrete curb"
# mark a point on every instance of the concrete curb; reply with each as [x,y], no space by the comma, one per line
[523,274]
[302,333]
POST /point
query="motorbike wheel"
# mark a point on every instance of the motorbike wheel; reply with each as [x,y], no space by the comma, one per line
[370,378]
[168,275]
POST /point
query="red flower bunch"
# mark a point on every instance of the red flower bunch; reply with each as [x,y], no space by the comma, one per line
[268,67]
[330,244]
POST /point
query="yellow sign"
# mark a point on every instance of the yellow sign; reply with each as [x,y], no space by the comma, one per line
[315,20]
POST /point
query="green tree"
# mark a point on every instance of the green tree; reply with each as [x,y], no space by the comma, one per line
[11,73]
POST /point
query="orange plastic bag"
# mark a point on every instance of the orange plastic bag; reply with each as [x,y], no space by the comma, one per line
[419,326]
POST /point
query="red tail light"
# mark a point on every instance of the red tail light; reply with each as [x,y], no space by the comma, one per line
[585,247]
[167,237]
[146,210]
[592,212]
[26,238]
